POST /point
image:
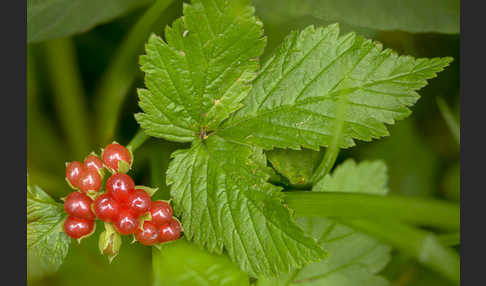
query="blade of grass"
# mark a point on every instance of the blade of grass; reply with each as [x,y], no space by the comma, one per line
[420,211]
[122,71]
[68,94]
[449,119]
[422,245]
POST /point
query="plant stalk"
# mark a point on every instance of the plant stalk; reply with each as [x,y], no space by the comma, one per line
[418,211]
[68,94]
[122,71]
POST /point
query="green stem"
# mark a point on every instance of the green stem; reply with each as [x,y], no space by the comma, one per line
[450,239]
[122,71]
[420,211]
[332,150]
[422,245]
[68,94]
[138,140]
[449,119]
[45,149]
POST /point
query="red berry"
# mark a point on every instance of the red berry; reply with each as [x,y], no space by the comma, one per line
[139,202]
[92,162]
[113,154]
[89,180]
[161,212]
[149,235]
[78,227]
[119,186]
[106,208]
[79,205]
[73,173]
[126,222]
[170,231]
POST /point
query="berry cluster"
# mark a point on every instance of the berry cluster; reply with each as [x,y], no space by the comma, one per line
[126,207]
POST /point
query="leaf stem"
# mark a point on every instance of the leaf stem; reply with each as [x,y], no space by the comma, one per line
[68,94]
[138,140]
[122,71]
[420,211]
[422,245]
[449,119]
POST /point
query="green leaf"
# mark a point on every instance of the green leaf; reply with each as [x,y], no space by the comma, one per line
[47,244]
[47,19]
[294,100]
[183,263]
[354,258]
[365,177]
[416,16]
[296,165]
[222,195]
[202,73]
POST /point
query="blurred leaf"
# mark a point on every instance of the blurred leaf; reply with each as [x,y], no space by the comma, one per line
[366,177]
[84,265]
[48,19]
[182,263]
[412,165]
[416,16]
[296,165]
[47,244]
[354,258]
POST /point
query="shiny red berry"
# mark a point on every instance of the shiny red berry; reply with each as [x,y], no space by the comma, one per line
[73,173]
[161,212]
[139,202]
[78,227]
[89,180]
[126,222]
[92,162]
[106,208]
[113,154]
[149,235]
[170,231]
[119,186]
[79,205]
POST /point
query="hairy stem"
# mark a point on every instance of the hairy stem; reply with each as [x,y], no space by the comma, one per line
[68,94]
[420,211]
[138,140]
[422,245]
[332,150]
[449,119]
[122,71]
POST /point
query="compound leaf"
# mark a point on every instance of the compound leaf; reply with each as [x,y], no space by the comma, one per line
[294,100]
[201,74]
[47,244]
[222,195]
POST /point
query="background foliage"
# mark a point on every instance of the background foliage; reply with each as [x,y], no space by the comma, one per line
[71,53]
